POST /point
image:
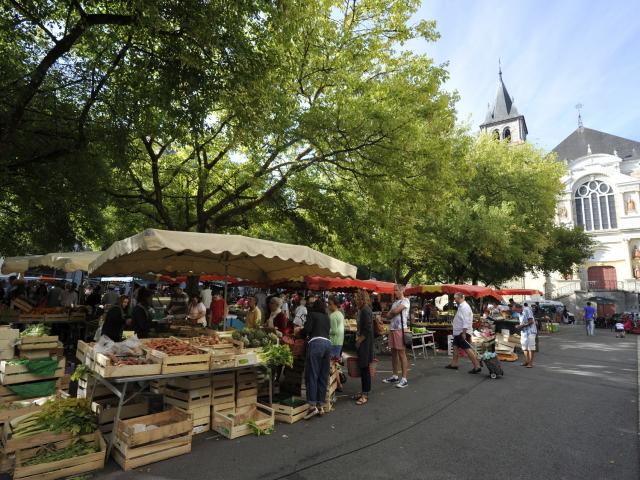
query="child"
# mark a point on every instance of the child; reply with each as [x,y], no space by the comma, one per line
[619,330]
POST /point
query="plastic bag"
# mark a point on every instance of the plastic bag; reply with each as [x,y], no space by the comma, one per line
[131,347]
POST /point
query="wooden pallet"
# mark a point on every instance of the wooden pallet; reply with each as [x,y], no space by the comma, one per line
[104,367]
[234,425]
[12,374]
[187,399]
[61,468]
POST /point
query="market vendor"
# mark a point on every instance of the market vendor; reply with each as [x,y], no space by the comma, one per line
[277,318]
[254,315]
[197,311]
[141,315]
[179,302]
[117,318]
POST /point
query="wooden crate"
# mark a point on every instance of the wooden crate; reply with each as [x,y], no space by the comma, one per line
[201,419]
[246,359]
[157,386]
[106,410]
[61,468]
[104,367]
[56,317]
[190,382]
[172,437]
[246,393]
[11,444]
[85,386]
[133,457]
[220,361]
[7,463]
[36,343]
[32,317]
[22,305]
[234,425]
[83,349]
[169,424]
[289,413]
[18,408]
[12,374]
[183,363]
[187,399]
[223,391]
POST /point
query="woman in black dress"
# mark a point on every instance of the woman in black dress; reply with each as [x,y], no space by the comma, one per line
[117,317]
[364,344]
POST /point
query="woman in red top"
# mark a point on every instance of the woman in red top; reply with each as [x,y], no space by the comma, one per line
[277,319]
[218,308]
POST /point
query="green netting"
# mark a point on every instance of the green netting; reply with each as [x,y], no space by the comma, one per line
[34,389]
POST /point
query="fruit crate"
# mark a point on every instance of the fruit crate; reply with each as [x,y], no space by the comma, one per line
[236,424]
[18,408]
[61,468]
[104,367]
[187,399]
[190,382]
[170,438]
[183,363]
[221,361]
[246,359]
[11,444]
[223,391]
[85,387]
[11,374]
[290,410]
[107,408]
[201,419]
[43,342]
[246,387]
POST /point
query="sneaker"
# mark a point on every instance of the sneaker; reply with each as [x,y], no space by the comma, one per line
[475,370]
[391,379]
[451,367]
[312,412]
[402,383]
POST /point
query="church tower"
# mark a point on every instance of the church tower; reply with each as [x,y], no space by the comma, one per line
[503,119]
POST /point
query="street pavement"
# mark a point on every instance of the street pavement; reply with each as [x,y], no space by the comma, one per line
[573,416]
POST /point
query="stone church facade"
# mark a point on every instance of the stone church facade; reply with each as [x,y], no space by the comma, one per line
[601,195]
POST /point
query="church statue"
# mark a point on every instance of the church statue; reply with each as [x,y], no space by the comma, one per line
[563,212]
[630,207]
[636,272]
[636,252]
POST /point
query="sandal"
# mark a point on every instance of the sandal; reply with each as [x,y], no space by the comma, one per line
[524,364]
[362,400]
[357,396]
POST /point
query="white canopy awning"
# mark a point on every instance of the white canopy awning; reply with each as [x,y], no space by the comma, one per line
[190,253]
[17,264]
[66,261]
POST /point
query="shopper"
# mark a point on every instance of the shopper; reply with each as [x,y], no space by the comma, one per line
[398,314]
[364,344]
[277,319]
[179,302]
[462,330]
[589,319]
[254,315]
[117,317]
[197,311]
[218,310]
[141,315]
[300,315]
[206,296]
[336,334]
[528,333]
[54,297]
[68,297]
[316,329]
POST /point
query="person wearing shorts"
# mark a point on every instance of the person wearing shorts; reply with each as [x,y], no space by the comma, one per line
[462,328]
[528,333]
[398,314]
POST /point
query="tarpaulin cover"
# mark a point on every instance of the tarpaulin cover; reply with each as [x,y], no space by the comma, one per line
[34,389]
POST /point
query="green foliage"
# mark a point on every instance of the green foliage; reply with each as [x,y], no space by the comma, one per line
[50,454]
[80,372]
[278,355]
[566,248]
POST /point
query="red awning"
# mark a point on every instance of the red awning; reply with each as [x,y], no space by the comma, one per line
[346,284]
[431,291]
[519,291]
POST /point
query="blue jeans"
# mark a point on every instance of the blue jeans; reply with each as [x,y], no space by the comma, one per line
[591,327]
[317,371]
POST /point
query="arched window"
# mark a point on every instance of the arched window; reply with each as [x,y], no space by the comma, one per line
[595,206]
[496,134]
[506,134]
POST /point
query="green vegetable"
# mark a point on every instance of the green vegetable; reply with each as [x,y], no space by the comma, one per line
[80,371]
[259,430]
[47,454]
[72,415]
[277,355]
[36,330]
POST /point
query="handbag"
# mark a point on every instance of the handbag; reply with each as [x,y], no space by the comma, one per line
[407,337]
[378,326]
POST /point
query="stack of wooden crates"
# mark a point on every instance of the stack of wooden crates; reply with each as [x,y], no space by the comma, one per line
[192,395]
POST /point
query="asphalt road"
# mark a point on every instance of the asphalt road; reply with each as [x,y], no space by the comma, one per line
[573,416]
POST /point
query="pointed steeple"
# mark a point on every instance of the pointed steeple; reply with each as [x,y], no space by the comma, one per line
[503,107]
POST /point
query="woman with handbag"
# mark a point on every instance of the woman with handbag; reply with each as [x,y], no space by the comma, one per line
[364,344]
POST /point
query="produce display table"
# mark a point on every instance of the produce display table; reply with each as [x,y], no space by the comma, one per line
[143,383]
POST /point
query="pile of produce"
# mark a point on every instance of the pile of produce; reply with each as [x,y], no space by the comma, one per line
[71,415]
[208,341]
[172,346]
[255,338]
[36,330]
[418,330]
[277,355]
[48,453]
[119,361]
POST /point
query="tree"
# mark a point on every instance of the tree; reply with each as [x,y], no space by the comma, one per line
[567,248]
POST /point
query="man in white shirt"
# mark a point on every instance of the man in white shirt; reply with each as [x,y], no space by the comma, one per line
[462,329]
[206,296]
[399,316]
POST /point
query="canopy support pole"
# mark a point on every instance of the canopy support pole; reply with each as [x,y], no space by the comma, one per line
[224,319]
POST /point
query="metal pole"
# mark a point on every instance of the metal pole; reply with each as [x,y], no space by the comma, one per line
[224,319]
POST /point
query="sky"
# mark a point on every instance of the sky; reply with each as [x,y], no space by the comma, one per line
[554,54]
